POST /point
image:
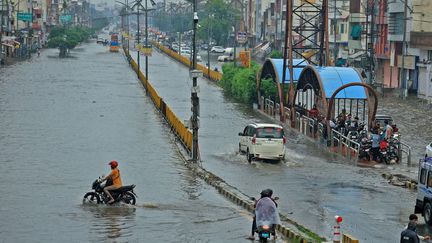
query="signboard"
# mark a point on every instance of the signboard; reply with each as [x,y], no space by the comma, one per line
[241,37]
[245,58]
[66,18]
[409,62]
[24,16]
[147,51]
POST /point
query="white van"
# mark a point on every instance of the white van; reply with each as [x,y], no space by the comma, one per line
[263,141]
[424,190]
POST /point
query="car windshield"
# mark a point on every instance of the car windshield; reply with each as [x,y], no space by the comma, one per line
[270,132]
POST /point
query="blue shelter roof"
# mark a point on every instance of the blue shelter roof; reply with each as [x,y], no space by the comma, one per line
[334,77]
[273,67]
[278,65]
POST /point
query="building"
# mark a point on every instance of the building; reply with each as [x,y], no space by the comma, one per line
[421,39]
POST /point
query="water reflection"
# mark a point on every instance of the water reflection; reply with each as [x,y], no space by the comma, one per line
[111,222]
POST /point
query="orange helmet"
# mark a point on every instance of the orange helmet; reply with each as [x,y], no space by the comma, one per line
[113,164]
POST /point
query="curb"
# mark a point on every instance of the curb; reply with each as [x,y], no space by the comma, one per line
[239,198]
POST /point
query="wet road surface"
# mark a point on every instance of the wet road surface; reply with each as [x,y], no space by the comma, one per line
[61,121]
[312,185]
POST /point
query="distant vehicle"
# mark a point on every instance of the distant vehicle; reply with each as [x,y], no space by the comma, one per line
[204,46]
[185,50]
[380,118]
[424,193]
[225,58]
[217,49]
[263,141]
[114,44]
[428,152]
[100,41]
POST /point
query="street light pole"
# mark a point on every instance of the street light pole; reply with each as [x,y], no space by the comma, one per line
[138,36]
[403,82]
[146,40]
[194,92]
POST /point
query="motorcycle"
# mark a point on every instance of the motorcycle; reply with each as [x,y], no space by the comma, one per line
[365,146]
[392,151]
[123,194]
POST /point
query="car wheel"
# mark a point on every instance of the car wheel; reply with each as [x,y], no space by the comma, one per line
[427,213]
[248,156]
[282,159]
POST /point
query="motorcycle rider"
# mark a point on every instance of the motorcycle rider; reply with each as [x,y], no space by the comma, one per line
[114,178]
[265,205]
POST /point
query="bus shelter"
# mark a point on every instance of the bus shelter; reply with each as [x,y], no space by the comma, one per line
[333,91]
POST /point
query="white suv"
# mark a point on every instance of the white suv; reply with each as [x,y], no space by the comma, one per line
[263,141]
[217,49]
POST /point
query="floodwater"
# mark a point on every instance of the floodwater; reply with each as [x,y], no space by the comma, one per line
[313,186]
[61,122]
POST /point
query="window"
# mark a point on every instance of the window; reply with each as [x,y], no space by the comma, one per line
[342,28]
[270,132]
[396,23]
[429,179]
[423,176]
[245,131]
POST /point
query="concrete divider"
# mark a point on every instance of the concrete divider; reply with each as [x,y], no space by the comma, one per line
[210,74]
[177,126]
[349,239]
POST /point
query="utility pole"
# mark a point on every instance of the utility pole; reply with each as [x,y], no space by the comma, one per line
[138,4]
[404,90]
[235,40]
[194,92]
[334,34]
[146,41]
[1,31]
[127,14]
[371,45]
[208,46]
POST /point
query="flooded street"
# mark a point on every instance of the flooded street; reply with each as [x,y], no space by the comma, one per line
[313,186]
[61,121]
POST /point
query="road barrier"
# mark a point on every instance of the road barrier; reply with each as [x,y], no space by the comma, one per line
[210,74]
[177,127]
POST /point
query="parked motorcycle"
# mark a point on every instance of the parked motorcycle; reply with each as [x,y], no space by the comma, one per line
[392,151]
[124,194]
[365,146]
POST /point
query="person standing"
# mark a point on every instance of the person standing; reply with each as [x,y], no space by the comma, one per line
[375,145]
[414,219]
[409,235]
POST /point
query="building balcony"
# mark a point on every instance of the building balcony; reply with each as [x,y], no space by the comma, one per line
[421,39]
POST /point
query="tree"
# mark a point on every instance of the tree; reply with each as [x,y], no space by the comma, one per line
[219,17]
[67,38]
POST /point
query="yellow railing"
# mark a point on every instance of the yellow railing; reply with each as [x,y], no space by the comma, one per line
[212,75]
[176,124]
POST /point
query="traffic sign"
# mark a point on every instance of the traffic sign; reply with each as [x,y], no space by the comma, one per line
[241,37]
[24,16]
[66,18]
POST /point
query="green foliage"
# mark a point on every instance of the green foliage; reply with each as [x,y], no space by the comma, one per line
[68,37]
[240,82]
[268,88]
[276,54]
[99,23]
[217,19]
